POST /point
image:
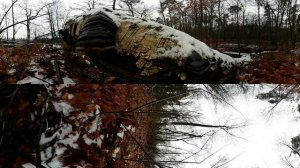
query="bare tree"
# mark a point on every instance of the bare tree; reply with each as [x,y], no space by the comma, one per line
[88,5]
[6,27]
[235,10]
[4,16]
[259,3]
[6,20]
[29,13]
[144,12]
[55,16]
[130,5]
[114,4]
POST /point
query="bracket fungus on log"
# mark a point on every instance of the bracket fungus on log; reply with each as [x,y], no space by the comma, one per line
[142,51]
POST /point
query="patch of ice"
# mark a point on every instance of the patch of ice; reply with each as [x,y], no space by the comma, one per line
[96,122]
[47,154]
[87,62]
[11,71]
[56,46]
[59,151]
[133,129]
[97,109]
[70,96]
[121,134]
[65,129]
[129,127]
[89,141]
[60,87]
[32,117]
[33,80]
[64,107]
[82,117]
[68,80]
[28,165]
[116,151]
[70,141]
[55,163]
[44,140]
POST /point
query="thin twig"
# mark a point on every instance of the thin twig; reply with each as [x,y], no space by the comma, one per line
[284,97]
[230,160]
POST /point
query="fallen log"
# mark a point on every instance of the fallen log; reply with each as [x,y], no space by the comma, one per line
[142,51]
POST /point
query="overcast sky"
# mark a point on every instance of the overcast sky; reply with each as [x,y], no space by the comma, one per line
[259,142]
[67,3]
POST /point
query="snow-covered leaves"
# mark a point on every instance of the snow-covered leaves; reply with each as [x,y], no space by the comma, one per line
[85,125]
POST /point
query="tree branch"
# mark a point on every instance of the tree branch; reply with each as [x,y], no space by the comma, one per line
[31,18]
[198,125]
[6,13]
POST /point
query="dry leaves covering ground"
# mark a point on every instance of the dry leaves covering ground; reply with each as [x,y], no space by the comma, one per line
[44,64]
[277,67]
[77,125]
[51,65]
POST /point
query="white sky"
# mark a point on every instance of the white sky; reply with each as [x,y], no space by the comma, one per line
[67,3]
[259,142]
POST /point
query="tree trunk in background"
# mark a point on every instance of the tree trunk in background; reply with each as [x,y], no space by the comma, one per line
[238,27]
[6,24]
[219,23]
[294,20]
[51,22]
[57,22]
[259,28]
[13,21]
[196,20]
[28,31]
[114,5]
[201,20]
[162,9]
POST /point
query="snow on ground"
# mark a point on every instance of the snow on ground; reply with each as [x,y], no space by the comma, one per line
[80,129]
[63,107]
[68,80]
[28,165]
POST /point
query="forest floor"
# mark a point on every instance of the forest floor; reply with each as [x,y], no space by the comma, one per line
[273,67]
[44,64]
[87,125]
